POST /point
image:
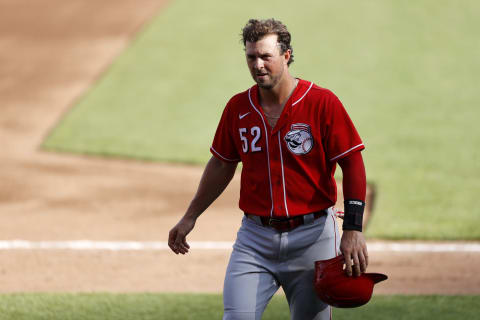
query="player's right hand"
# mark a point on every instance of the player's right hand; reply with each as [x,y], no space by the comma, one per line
[177,236]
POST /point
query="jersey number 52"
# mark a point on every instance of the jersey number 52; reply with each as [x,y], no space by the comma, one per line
[256,133]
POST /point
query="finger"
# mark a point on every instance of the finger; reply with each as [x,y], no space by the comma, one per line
[182,248]
[185,243]
[178,242]
[363,261]
[348,264]
[356,265]
[171,236]
[171,239]
[365,254]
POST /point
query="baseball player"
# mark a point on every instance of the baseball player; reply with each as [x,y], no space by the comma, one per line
[289,135]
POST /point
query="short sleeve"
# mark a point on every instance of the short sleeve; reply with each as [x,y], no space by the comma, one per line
[223,146]
[341,136]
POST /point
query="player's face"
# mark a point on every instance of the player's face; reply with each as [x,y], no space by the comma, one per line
[265,61]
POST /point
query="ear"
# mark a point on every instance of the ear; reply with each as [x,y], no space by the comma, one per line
[287,54]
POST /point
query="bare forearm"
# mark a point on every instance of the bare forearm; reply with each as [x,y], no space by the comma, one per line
[216,177]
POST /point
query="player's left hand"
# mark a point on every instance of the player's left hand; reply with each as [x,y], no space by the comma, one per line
[354,249]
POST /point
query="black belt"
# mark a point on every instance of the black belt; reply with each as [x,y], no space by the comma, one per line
[286,224]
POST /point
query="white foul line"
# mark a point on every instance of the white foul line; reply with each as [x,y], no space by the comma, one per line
[423,247]
[105,245]
[374,246]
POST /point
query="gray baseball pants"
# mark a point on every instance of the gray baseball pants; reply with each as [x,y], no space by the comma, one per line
[263,259]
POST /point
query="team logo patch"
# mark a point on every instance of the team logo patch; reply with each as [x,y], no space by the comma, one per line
[299,139]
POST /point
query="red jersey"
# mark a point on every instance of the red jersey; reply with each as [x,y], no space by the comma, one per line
[287,170]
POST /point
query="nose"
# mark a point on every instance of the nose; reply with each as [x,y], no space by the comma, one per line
[258,64]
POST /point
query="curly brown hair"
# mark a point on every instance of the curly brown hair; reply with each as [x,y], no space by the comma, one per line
[255,30]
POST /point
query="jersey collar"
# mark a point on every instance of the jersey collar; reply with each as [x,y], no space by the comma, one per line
[303,87]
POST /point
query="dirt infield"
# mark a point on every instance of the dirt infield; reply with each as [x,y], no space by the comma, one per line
[51,52]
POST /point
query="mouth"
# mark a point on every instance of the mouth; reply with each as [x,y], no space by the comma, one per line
[261,75]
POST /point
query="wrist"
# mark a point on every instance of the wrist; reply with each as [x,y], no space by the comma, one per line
[191,214]
[353,216]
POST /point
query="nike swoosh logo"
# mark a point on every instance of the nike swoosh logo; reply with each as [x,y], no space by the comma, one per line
[241,116]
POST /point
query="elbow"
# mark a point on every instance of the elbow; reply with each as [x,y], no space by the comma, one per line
[223,165]
[352,163]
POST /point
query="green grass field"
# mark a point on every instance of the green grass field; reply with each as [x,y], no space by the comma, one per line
[203,307]
[407,71]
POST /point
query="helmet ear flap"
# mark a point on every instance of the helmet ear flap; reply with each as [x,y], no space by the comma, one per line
[326,269]
[337,289]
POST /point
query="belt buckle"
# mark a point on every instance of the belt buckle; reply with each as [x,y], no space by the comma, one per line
[279,224]
[271,221]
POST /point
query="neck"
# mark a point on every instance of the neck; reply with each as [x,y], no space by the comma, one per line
[279,94]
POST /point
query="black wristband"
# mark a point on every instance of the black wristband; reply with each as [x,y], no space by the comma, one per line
[353,216]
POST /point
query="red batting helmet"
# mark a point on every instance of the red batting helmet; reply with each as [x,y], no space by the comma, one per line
[337,289]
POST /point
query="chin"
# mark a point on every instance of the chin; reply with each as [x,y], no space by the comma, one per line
[264,84]
[267,86]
